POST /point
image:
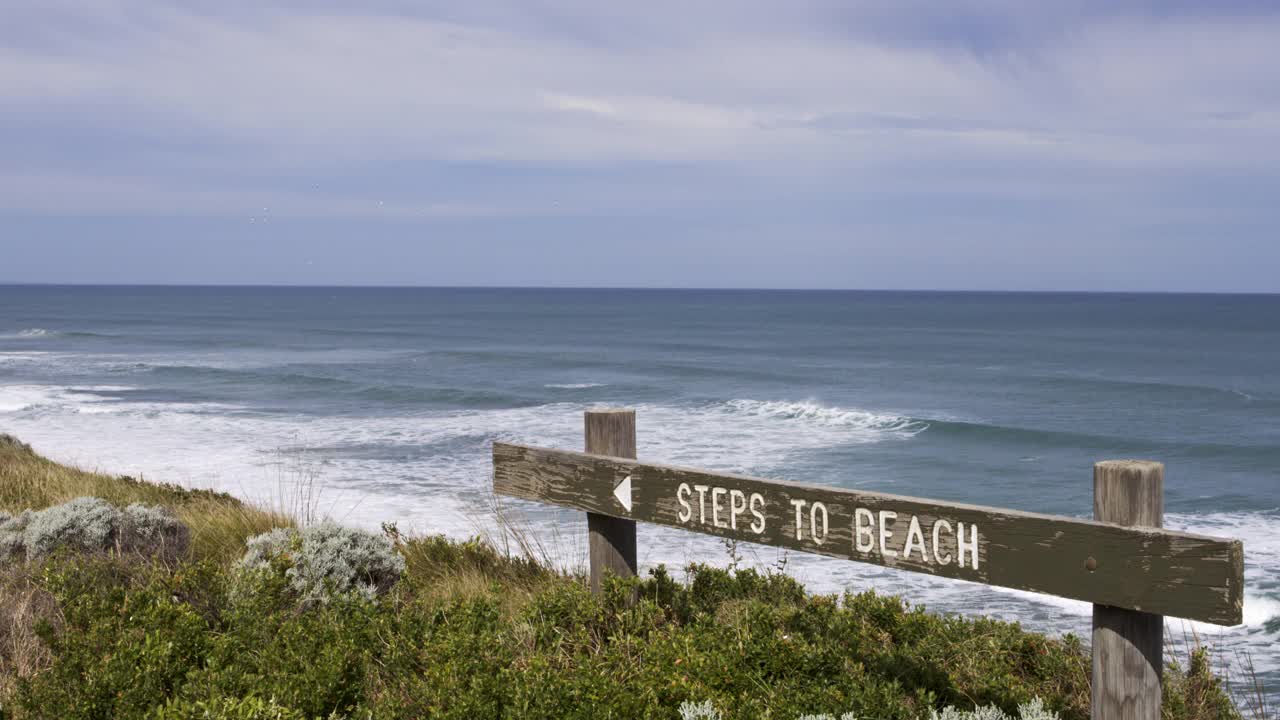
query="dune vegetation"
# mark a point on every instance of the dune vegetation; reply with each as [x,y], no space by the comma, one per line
[327,622]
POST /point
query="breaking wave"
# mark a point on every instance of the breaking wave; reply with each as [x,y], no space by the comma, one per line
[28,334]
[809,411]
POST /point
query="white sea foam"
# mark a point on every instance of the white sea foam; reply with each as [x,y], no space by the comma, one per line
[27,356]
[260,358]
[1260,532]
[16,398]
[1262,527]
[116,407]
[27,334]
[813,412]
[195,441]
[1259,611]
[93,400]
[573,386]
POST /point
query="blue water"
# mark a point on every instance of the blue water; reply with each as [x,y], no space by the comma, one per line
[390,398]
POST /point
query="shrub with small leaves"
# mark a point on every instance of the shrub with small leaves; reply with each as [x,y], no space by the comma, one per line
[327,560]
[89,524]
[84,524]
[12,528]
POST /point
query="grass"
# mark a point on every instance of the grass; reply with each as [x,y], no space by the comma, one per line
[22,605]
[219,523]
[1203,681]
[483,628]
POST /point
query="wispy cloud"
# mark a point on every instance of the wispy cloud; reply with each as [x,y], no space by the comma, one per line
[386,83]
[502,109]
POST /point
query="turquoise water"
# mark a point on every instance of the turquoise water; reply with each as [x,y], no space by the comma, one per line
[391,397]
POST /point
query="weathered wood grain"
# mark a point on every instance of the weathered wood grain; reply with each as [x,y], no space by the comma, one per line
[1128,645]
[611,540]
[1155,571]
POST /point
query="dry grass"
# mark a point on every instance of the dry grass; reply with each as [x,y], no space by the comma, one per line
[1198,668]
[504,560]
[443,569]
[297,486]
[511,533]
[22,606]
[219,523]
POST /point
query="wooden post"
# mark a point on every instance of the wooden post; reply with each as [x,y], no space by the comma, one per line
[1128,645]
[612,540]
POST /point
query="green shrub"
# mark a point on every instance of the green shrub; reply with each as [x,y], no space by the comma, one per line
[315,663]
[127,638]
[327,560]
[136,639]
[1194,691]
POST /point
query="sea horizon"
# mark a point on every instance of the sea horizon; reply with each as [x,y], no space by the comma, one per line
[647,288]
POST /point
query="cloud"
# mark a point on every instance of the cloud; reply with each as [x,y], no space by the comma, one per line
[383,84]
[969,113]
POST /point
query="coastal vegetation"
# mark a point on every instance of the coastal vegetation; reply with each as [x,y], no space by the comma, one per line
[246,613]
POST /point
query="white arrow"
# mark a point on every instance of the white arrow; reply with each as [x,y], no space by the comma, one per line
[623,492]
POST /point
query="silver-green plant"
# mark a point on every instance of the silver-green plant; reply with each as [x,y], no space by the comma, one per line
[12,528]
[327,560]
[84,524]
[1033,710]
[89,524]
[704,710]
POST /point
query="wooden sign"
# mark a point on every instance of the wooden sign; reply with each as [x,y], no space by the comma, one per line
[1134,568]
[1132,571]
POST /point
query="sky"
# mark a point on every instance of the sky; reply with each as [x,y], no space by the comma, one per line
[970,144]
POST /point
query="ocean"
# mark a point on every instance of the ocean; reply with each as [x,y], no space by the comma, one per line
[387,400]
